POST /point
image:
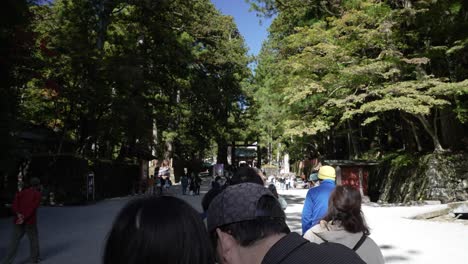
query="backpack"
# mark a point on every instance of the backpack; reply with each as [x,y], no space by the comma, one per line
[355,248]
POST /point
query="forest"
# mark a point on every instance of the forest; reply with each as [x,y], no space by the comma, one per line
[361,79]
[120,79]
[339,79]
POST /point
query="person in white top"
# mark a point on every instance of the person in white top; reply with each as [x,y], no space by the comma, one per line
[344,224]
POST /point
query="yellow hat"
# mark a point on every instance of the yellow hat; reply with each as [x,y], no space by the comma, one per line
[327,173]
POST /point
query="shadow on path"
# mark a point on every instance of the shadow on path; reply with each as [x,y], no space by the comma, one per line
[397,258]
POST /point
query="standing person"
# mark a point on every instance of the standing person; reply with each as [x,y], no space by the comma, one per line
[158,229]
[344,224]
[165,173]
[184,182]
[191,184]
[316,165]
[247,225]
[288,183]
[198,182]
[316,202]
[158,184]
[25,207]
[151,185]
[216,183]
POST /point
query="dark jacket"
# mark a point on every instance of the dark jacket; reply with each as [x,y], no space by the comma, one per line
[26,203]
[316,204]
[293,249]
[184,180]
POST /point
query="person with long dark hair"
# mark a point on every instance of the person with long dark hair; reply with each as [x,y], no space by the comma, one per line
[344,224]
[161,230]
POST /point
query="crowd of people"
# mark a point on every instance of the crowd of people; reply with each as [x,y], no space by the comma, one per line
[243,221]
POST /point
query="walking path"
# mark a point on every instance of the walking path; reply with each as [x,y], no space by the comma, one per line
[402,240]
[77,234]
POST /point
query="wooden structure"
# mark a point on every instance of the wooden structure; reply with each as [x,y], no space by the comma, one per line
[353,173]
[249,153]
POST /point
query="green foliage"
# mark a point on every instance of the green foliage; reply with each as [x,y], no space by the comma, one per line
[362,63]
[403,160]
[122,78]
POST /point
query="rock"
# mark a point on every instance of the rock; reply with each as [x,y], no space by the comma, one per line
[365,199]
[432,202]
[464,184]
[461,209]
[442,177]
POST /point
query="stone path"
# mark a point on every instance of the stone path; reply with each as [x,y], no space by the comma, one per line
[77,234]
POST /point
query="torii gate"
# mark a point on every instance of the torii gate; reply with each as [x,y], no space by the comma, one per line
[254,145]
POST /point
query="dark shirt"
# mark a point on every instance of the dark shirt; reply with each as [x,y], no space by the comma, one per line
[184,180]
[294,249]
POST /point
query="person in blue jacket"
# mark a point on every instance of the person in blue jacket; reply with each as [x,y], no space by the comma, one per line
[316,202]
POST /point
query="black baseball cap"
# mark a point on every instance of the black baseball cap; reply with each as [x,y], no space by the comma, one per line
[238,203]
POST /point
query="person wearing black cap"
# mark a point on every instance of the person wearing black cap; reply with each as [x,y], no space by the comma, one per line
[247,225]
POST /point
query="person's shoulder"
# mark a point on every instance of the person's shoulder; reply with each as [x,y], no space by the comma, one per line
[313,190]
[370,243]
[334,253]
[322,226]
[295,249]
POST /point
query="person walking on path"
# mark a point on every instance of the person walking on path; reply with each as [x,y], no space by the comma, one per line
[24,207]
[197,183]
[165,173]
[344,224]
[316,202]
[184,182]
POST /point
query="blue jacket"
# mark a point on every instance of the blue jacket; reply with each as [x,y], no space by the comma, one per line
[316,204]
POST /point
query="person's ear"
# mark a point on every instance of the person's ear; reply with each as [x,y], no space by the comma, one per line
[226,246]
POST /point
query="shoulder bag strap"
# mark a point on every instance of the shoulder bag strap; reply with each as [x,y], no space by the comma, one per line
[359,243]
[323,239]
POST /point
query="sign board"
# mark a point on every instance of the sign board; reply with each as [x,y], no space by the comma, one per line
[218,170]
[90,187]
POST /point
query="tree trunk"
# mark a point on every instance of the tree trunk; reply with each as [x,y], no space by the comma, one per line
[353,148]
[221,157]
[415,134]
[432,132]
[169,150]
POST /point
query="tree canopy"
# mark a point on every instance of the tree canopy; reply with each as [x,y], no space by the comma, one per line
[356,79]
[120,79]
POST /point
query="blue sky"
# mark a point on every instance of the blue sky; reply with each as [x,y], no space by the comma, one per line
[247,22]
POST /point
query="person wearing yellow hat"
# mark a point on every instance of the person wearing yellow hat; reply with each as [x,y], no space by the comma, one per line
[316,202]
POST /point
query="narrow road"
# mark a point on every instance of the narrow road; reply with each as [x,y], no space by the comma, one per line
[76,235]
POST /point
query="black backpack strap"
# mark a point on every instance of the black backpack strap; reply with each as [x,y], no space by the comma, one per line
[360,242]
[285,247]
[323,239]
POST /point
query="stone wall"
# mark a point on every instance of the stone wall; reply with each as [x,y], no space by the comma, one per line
[401,179]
